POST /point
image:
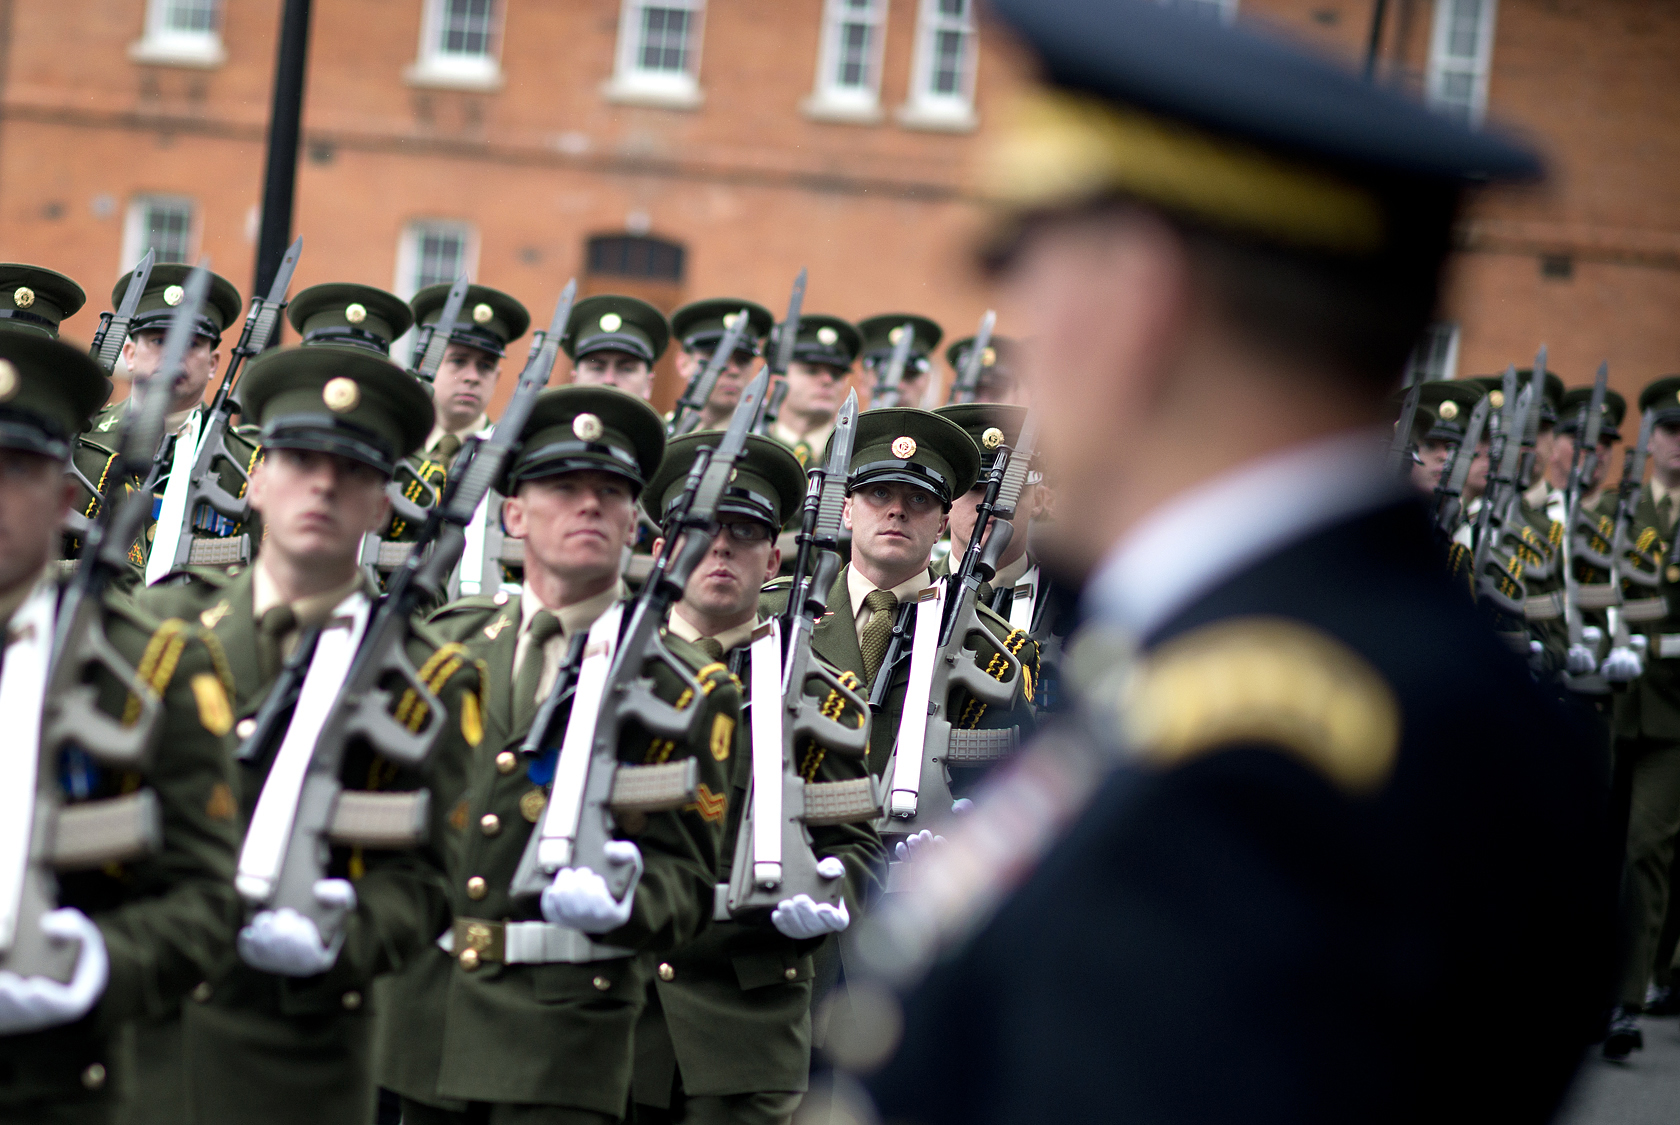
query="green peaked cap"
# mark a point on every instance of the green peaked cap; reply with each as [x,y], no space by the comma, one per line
[768,483]
[490,320]
[587,429]
[35,300]
[335,399]
[917,447]
[48,393]
[357,316]
[165,289]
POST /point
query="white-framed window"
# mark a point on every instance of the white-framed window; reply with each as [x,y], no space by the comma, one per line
[658,60]
[942,73]
[429,252]
[1224,11]
[848,86]
[458,45]
[1460,57]
[161,223]
[181,33]
[1436,353]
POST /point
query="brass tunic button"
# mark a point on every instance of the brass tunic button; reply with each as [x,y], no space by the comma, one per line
[202,991]
[501,597]
[351,1000]
[477,888]
[490,824]
[666,972]
[505,761]
[602,984]
[791,974]
[246,728]
[469,959]
[94,1076]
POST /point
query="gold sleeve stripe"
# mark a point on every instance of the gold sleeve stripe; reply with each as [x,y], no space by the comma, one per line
[157,663]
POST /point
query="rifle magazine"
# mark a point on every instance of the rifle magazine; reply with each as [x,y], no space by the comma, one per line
[841,802]
[117,830]
[384,821]
[659,788]
[974,747]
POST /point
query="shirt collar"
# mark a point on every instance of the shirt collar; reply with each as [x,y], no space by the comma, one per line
[728,640]
[478,425]
[1659,493]
[1200,537]
[573,618]
[311,610]
[816,440]
[860,587]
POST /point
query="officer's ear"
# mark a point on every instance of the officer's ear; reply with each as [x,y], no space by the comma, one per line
[658,548]
[846,511]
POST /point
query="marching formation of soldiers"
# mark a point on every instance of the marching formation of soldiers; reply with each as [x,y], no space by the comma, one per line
[1113,738]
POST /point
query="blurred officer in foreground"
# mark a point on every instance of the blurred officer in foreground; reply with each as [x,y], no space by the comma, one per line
[145,925]
[1571,424]
[1309,807]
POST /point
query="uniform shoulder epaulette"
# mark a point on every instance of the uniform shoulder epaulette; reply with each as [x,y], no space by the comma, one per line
[249,431]
[476,603]
[1265,681]
[87,442]
[779,584]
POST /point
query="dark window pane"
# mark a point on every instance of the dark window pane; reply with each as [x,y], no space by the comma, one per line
[628,255]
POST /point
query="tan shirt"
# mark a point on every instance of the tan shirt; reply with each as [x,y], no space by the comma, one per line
[860,587]
[574,619]
[311,611]
[729,639]
[816,440]
[477,426]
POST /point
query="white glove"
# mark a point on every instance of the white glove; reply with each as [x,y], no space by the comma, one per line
[289,944]
[1579,661]
[33,1003]
[1623,664]
[801,917]
[911,846]
[962,805]
[579,898]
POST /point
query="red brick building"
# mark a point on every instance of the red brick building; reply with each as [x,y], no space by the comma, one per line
[687,148]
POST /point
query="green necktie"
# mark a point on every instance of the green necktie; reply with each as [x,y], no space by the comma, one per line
[445,450]
[711,647]
[271,630]
[878,632]
[544,627]
[1665,514]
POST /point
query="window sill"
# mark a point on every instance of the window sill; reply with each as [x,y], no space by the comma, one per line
[430,73]
[662,95]
[820,108]
[938,117]
[207,54]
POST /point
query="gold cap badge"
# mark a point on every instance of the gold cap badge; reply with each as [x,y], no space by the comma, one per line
[482,314]
[992,438]
[988,357]
[172,296]
[729,319]
[827,336]
[355,313]
[8,379]
[24,297]
[1449,410]
[611,322]
[587,427]
[1496,399]
[895,335]
[341,394]
[904,448]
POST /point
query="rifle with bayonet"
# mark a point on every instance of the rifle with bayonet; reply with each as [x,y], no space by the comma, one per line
[1448,504]
[363,671]
[613,691]
[112,332]
[1583,466]
[888,386]
[431,339]
[197,499]
[945,655]
[57,659]
[798,700]
[781,356]
[690,406]
[1402,450]
[486,548]
[967,385]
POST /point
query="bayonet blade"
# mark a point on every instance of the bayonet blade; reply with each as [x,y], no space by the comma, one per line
[265,317]
[116,332]
[790,327]
[1466,451]
[426,369]
[1593,424]
[968,379]
[1015,473]
[837,471]
[887,392]
[699,390]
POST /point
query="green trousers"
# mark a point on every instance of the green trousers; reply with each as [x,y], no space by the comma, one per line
[766,1107]
[500,1113]
[1653,823]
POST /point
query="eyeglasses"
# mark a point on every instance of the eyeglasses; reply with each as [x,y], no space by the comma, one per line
[746,532]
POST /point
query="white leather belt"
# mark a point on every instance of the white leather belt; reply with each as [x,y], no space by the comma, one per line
[1668,646]
[526,943]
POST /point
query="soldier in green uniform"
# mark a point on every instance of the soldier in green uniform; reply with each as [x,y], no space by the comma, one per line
[726,1036]
[140,355]
[880,334]
[699,327]
[908,466]
[614,341]
[526,1010]
[285,1033]
[1449,402]
[466,380]
[999,377]
[150,924]
[816,380]
[1647,730]
[1571,424]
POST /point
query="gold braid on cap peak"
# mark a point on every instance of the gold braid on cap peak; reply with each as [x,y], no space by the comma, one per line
[1063,148]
